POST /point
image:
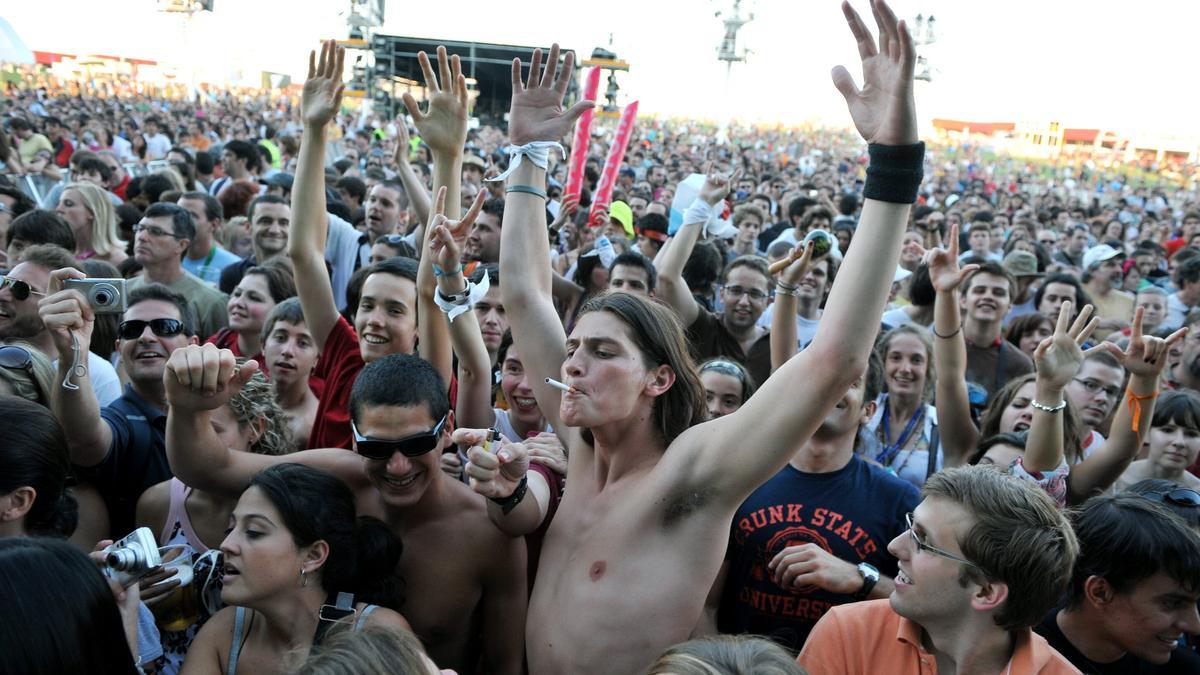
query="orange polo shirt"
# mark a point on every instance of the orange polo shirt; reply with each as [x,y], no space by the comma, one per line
[857,639]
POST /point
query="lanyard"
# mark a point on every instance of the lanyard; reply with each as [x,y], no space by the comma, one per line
[890,451]
[204,268]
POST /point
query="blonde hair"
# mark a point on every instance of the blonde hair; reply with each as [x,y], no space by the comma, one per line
[726,655]
[38,381]
[104,218]
[373,650]
[256,401]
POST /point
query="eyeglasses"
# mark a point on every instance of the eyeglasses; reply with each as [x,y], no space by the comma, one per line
[409,446]
[154,231]
[20,290]
[736,292]
[1178,497]
[133,329]
[922,546]
[1093,387]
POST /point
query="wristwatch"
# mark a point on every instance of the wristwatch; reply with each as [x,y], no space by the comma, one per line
[459,298]
[870,577]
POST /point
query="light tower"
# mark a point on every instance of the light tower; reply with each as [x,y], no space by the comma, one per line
[728,52]
[924,35]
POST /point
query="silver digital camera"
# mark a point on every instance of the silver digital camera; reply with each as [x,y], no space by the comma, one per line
[131,558]
[106,296]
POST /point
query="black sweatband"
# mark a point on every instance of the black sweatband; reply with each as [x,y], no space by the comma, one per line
[894,172]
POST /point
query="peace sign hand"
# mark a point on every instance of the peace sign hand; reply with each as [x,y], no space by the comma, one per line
[446,237]
[717,185]
[536,113]
[883,110]
[944,272]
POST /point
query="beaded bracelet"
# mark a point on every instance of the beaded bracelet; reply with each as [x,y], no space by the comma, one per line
[439,272]
[1049,408]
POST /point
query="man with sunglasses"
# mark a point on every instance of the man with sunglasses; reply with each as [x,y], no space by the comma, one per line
[985,556]
[161,240]
[21,290]
[745,293]
[119,448]
[1134,589]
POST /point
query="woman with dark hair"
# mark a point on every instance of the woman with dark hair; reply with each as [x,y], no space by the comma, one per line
[1174,442]
[194,521]
[262,287]
[295,548]
[1027,331]
[34,467]
[60,614]
[727,385]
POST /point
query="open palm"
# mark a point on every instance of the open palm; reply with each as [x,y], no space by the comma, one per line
[1060,356]
[322,95]
[443,126]
[883,110]
[536,113]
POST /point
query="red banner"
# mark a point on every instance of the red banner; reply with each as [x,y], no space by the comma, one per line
[616,153]
[583,130]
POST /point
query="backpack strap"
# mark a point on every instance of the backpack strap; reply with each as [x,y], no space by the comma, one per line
[329,614]
[935,443]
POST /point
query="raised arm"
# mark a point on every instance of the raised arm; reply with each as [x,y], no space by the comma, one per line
[1144,359]
[536,115]
[417,196]
[792,403]
[69,319]
[959,433]
[319,102]
[784,343]
[672,289]
[1058,359]
[443,127]
[446,238]
[198,380]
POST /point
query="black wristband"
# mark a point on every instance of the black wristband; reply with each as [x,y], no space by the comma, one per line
[507,504]
[894,172]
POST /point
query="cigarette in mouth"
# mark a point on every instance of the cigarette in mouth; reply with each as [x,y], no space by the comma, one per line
[560,385]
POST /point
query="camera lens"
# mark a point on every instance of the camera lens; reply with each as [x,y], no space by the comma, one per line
[102,297]
[122,559]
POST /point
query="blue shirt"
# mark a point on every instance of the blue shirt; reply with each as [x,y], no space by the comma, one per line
[136,459]
[853,513]
[208,268]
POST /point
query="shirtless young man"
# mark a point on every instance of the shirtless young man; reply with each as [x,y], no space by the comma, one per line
[641,531]
[466,592]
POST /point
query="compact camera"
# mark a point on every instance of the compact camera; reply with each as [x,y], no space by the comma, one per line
[106,296]
[131,558]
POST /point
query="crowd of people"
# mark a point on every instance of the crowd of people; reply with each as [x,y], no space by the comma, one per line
[387,398]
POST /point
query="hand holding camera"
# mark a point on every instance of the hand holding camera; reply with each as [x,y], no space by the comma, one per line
[66,313]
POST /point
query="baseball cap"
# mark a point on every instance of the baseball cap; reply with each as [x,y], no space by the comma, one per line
[620,212]
[1021,264]
[471,159]
[1098,254]
[282,179]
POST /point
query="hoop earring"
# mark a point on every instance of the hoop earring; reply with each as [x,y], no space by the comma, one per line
[303,577]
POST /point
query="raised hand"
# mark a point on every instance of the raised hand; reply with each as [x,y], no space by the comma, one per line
[568,208]
[1059,357]
[1146,355]
[66,313]
[322,95]
[717,185]
[546,449]
[796,265]
[403,142]
[203,377]
[444,126]
[446,237]
[944,272]
[494,473]
[536,113]
[883,110]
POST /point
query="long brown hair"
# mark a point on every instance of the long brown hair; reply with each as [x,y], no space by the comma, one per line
[989,425]
[656,331]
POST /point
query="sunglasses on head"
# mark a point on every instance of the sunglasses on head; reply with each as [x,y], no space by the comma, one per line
[15,358]
[1178,497]
[409,446]
[19,289]
[133,329]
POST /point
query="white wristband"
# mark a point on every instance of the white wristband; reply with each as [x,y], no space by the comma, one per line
[538,152]
[700,213]
[475,294]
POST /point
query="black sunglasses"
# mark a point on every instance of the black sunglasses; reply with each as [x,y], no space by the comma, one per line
[1178,497]
[409,446]
[133,329]
[19,289]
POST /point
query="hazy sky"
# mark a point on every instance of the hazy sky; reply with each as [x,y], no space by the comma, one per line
[1102,63]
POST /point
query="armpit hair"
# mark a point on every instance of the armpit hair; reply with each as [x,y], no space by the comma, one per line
[679,507]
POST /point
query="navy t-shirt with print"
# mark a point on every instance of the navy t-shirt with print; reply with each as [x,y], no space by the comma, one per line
[853,513]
